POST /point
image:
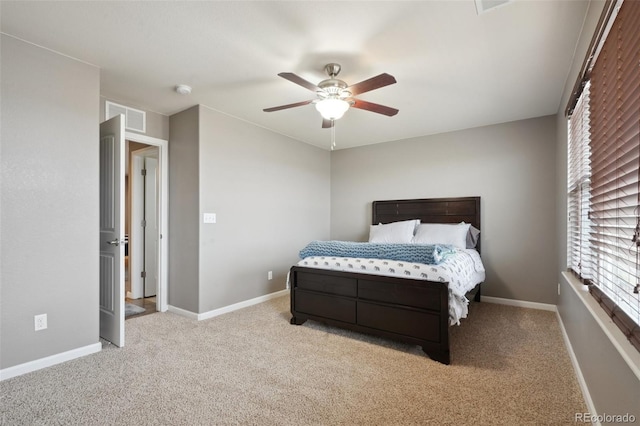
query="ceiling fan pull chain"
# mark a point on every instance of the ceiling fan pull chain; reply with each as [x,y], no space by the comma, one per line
[333,135]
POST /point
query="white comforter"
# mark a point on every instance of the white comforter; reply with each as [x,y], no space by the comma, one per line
[463,271]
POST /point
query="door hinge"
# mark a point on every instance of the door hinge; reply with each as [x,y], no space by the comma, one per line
[143,223]
[143,274]
[144,172]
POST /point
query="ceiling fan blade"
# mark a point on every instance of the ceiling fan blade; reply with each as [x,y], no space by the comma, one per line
[371,84]
[327,124]
[370,106]
[278,108]
[298,80]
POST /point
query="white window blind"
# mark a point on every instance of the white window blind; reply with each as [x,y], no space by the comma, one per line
[578,191]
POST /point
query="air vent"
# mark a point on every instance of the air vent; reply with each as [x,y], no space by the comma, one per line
[135,119]
[483,6]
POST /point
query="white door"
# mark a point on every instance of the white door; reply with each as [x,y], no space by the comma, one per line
[112,230]
[151,226]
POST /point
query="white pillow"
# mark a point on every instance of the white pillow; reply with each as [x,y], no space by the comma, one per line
[442,233]
[395,232]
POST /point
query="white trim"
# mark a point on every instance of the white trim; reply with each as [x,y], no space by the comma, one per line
[520,303]
[136,211]
[162,296]
[182,312]
[49,361]
[227,309]
[136,247]
[610,329]
[241,305]
[591,408]
[149,140]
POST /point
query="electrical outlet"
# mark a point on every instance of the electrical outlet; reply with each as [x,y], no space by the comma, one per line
[40,322]
[270,275]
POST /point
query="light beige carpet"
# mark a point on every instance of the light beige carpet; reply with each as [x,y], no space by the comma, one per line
[509,366]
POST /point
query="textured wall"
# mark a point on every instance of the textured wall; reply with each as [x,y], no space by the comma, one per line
[50,205]
[511,166]
[613,387]
[271,197]
[183,209]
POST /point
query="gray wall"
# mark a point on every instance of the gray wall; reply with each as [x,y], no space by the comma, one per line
[49,196]
[614,388]
[511,166]
[183,209]
[271,197]
[157,124]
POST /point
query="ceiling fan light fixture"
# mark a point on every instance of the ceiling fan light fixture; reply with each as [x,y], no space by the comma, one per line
[332,108]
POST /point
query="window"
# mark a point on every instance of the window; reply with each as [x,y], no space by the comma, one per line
[579,179]
[604,173]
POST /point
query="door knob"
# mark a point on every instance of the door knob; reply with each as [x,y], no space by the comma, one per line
[115,242]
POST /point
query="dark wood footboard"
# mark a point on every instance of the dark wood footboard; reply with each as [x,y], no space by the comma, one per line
[411,311]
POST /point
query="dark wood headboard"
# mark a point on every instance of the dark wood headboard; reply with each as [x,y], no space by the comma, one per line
[429,210]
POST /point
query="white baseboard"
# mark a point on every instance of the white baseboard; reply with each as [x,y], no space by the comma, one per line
[49,361]
[182,312]
[520,303]
[226,309]
[576,367]
[241,305]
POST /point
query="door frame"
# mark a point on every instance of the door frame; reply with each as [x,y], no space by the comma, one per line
[137,252]
[162,298]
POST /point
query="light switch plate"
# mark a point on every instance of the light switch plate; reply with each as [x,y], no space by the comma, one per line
[209,218]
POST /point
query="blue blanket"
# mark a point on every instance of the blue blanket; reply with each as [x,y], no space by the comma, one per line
[430,254]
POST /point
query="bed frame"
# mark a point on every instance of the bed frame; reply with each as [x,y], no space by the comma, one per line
[408,310]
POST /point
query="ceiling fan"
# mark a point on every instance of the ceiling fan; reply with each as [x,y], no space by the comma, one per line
[335,97]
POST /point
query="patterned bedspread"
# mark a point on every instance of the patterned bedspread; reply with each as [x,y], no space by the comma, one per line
[462,270]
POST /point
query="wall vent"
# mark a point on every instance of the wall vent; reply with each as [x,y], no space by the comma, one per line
[134,119]
[483,6]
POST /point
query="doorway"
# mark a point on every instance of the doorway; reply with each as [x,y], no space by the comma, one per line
[113,166]
[146,223]
[141,227]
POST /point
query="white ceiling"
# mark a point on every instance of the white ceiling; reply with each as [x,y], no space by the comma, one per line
[455,69]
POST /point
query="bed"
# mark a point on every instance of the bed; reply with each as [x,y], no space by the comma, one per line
[415,311]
